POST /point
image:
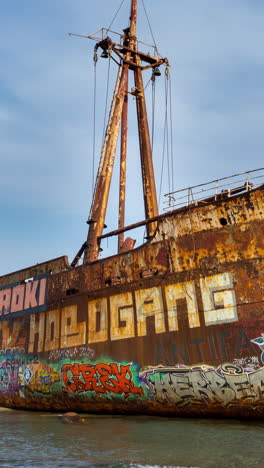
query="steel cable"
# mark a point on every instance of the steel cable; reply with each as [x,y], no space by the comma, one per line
[94,126]
[171,135]
[119,8]
[153,112]
[150,28]
[106,99]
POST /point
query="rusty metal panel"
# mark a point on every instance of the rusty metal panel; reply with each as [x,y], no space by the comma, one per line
[54,266]
[234,211]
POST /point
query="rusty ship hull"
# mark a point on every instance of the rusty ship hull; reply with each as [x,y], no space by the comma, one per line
[174,327]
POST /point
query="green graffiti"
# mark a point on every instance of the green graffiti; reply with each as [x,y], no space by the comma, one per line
[104,378]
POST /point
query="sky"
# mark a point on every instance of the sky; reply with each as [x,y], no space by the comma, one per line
[215,49]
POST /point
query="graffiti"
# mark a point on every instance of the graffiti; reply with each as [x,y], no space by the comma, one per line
[13,336]
[219,346]
[260,342]
[20,297]
[12,351]
[81,351]
[10,375]
[27,375]
[123,314]
[4,379]
[24,377]
[247,363]
[183,385]
[42,377]
[86,351]
[100,378]
[16,375]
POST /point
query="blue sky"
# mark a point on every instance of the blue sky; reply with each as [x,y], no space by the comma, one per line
[216,54]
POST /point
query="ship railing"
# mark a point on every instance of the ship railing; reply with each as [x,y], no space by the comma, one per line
[218,189]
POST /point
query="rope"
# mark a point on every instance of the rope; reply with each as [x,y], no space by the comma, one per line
[150,28]
[147,84]
[171,133]
[153,111]
[163,154]
[167,134]
[106,100]
[165,149]
[94,122]
[119,8]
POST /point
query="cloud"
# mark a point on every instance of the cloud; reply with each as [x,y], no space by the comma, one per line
[46,112]
[5,116]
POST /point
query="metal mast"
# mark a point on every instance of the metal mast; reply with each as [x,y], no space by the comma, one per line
[123,150]
[148,177]
[131,59]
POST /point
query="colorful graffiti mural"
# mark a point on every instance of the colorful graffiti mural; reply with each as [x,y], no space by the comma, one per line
[40,378]
[10,375]
[182,385]
[22,377]
[18,375]
[100,378]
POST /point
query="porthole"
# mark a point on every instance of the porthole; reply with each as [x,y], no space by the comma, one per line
[223,221]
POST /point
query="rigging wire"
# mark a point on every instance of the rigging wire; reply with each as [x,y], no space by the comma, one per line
[153,110]
[119,8]
[150,28]
[167,133]
[106,99]
[171,131]
[147,84]
[165,149]
[94,119]
[162,161]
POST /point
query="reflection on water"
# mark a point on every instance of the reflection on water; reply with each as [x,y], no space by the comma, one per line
[43,440]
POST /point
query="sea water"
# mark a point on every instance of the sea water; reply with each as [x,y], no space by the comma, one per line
[44,440]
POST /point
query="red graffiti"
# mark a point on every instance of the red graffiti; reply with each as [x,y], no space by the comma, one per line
[100,378]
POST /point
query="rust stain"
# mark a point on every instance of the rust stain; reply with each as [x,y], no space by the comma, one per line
[163,257]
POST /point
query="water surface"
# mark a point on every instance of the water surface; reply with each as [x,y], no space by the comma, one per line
[44,440]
